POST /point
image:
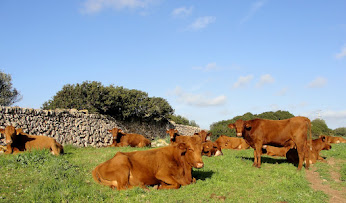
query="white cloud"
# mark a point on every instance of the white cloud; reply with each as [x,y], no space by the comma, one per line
[317,83]
[198,99]
[282,92]
[208,67]
[202,22]
[182,12]
[243,81]
[265,79]
[334,119]
[342,53]
[255,7]
[95,6]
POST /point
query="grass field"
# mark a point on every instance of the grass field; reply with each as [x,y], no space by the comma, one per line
[40,177]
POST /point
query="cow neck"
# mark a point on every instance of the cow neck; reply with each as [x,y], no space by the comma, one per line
[119,136]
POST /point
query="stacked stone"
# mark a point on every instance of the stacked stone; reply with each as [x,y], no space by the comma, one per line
[80,128]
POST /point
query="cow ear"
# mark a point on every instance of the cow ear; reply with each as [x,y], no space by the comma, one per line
[182,146]
[19,131]
[110,131]
[231,126]
[2,131]
[247,126]
[323,138]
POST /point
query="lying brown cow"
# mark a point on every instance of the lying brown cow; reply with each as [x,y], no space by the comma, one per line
[226,142]
[276,151]
[168,167]
[258,132]
[331,139]
[209,148]
[17,141]
[121,139]
[317,145]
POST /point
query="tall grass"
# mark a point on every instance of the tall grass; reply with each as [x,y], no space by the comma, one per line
[40,177]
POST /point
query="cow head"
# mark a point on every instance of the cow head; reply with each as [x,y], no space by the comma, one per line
[115,132]
[325,144]
[173,133]
[10,133]
[240,126]
[204,135]
[193,154]
[211,149]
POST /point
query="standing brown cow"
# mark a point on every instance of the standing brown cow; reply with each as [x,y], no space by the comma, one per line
[258,132]
[18,141]
[121,139]
[168,167]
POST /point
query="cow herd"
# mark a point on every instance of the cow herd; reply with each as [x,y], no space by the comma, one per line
[170,167]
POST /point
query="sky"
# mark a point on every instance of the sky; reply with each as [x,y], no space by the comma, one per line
[211,60]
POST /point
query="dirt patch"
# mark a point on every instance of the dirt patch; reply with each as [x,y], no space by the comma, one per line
[314,178]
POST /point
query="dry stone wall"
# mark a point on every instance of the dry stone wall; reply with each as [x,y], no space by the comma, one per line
[80,128]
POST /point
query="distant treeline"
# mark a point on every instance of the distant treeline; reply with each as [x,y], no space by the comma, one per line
[319,126]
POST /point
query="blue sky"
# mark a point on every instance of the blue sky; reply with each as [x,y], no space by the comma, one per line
[211,60]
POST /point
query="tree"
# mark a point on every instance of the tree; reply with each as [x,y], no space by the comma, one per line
[319,127]
[182,120]
[118,102]
[8,94]
[340,132]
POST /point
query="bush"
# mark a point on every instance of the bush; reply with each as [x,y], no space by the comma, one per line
[118,102]
[8,94]
[182,120]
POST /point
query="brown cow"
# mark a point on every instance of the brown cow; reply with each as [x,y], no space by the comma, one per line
[209,148]
[18,141]
[172,133]
[121,139]
[258,132]
[276,151]
[331,139]
[168,167]
[317,145]
[226,142]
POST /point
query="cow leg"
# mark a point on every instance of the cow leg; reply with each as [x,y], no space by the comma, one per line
[8,149]
[259,154]
[302,155]
[169,183]
[255,158]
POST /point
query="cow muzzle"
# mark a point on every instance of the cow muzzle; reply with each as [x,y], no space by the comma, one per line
[239,134]
[8,141]
[218,153]
[200,165]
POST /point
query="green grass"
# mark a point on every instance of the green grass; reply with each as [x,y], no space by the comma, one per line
[40,177]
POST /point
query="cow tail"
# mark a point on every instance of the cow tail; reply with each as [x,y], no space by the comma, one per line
[310,139]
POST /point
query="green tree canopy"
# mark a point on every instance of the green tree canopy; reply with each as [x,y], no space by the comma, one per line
[340,132]
[319,127]
[119,102]
[182,120]
[8,94]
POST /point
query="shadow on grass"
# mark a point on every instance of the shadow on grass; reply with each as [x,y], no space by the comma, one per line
[202,175]
[265,159]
